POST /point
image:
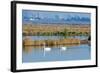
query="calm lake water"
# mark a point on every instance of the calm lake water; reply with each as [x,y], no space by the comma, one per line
[56,53]
[54,37]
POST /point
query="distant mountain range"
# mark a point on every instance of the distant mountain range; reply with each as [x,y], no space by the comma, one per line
[57,20]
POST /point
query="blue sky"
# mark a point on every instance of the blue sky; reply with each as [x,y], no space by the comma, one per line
[33,16]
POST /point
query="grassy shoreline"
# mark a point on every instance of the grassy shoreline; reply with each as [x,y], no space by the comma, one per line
[56,30]
[29,42]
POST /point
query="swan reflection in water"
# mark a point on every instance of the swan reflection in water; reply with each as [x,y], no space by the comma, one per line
[45,50]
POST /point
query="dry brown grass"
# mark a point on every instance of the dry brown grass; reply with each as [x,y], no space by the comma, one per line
[33,29]
[29,42]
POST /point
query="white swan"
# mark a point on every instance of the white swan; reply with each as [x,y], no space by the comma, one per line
[63,48]
[47,49]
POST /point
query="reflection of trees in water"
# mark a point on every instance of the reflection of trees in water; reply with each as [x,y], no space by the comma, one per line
[29,49]
[38,48]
